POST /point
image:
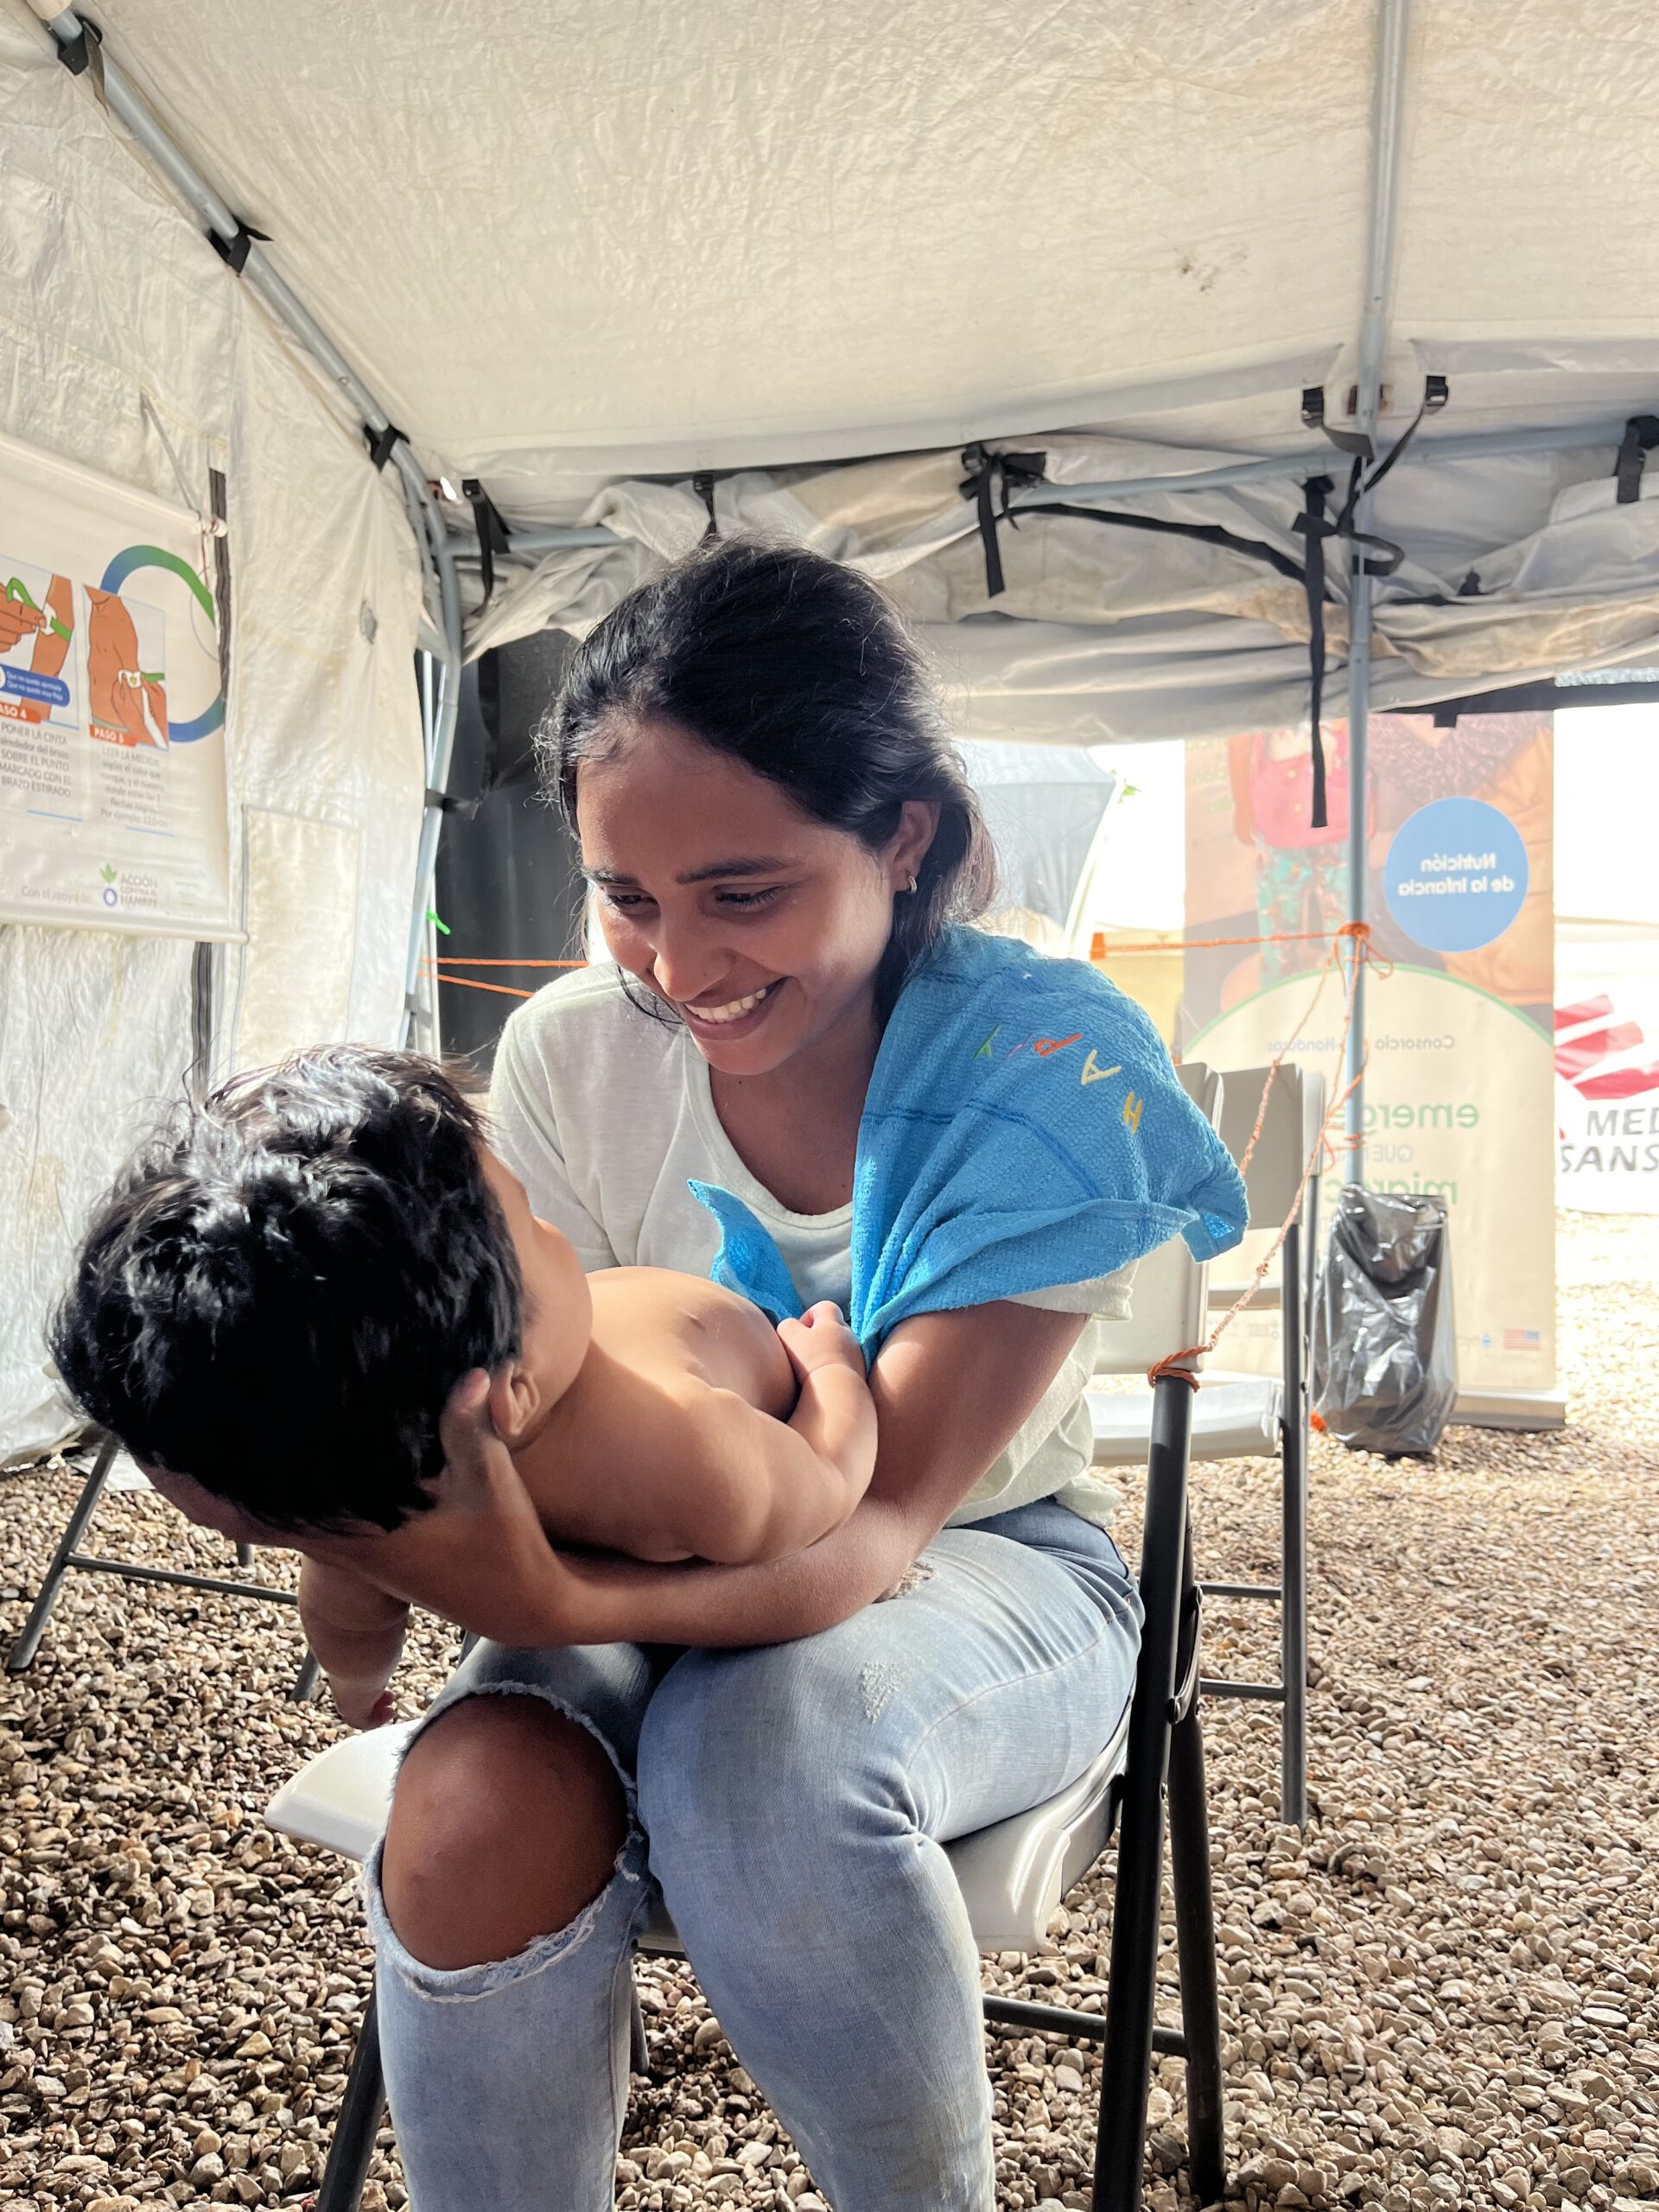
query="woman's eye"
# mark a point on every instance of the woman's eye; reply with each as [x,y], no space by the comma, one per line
[747,901]
[624,902]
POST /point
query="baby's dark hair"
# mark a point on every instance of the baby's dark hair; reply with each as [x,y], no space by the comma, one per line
[285,1284]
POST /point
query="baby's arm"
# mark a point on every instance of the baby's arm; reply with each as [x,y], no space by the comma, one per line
[356,1630]
[757,1488]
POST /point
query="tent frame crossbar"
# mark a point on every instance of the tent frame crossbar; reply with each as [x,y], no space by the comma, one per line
[441,700]
[536,539]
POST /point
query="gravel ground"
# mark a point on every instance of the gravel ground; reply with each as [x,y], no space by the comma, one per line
[1445,1993]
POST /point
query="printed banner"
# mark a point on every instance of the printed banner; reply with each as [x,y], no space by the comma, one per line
[1607,1066]
[1459,1091]
[113,811]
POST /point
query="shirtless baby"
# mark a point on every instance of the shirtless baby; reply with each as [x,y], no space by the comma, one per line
[273,1305]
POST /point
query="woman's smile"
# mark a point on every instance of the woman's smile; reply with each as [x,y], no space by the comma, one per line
[732,1018]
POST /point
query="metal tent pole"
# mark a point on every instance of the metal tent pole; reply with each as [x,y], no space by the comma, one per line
[437,554]
[1387,108]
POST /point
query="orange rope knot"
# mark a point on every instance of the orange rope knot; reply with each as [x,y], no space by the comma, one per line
[1172,1365]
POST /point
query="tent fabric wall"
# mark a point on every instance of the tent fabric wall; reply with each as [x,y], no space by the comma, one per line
[109,300]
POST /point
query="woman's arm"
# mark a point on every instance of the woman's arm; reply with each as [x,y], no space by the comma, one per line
[950,1391]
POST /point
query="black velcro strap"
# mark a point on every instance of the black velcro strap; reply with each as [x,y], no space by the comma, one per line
[380,443]
[1353,442]
[1313,524]
[492,530]
[1436,392]
[1641,436]
[447,803]
[1205,533]
[987,483]
[233,252]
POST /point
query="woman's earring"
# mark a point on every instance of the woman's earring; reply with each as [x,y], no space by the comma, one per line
[911,885]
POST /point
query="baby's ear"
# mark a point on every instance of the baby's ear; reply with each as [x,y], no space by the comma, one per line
[513,1401]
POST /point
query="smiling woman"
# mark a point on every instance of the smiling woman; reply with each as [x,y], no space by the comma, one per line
[777,832]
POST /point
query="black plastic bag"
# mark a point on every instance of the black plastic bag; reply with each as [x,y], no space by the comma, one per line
[1385,1360]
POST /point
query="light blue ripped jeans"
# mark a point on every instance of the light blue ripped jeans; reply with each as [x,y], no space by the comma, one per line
[791,1801]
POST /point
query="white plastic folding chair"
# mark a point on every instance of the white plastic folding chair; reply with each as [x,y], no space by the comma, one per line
[1013,1875]
[1255,1416]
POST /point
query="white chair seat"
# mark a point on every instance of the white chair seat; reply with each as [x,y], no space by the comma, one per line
[1011,1876]
[1231,1420]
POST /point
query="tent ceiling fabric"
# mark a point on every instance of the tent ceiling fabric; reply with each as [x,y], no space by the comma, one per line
[566,243]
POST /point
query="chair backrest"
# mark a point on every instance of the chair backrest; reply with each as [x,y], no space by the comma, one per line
[1167,1307]
[1289,1130]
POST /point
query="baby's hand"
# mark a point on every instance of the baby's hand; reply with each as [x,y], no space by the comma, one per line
[362,1705]
[821,1339]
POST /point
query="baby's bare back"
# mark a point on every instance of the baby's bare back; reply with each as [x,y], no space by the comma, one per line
[604,1471]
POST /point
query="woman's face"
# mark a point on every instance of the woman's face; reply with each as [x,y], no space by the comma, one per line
[761,927]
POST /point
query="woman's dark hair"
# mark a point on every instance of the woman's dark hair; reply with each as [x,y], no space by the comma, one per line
[286,1283]
[799,668]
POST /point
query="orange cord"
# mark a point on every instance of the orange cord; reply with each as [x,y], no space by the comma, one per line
[1102,948]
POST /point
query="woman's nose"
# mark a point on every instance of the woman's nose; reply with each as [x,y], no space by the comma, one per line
[684,963]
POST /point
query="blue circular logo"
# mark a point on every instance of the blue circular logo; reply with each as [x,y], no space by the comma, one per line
[1456,874]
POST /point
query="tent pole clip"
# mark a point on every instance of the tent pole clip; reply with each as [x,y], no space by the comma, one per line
[380,443]
[76,54]
[449,803]
[234,252]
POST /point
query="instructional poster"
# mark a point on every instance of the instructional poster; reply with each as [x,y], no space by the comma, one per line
[113,803]
[1460,1087]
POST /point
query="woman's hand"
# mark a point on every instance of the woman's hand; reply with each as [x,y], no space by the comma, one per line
[821,1339]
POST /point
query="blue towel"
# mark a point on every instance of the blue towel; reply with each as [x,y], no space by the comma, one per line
[1024,1128]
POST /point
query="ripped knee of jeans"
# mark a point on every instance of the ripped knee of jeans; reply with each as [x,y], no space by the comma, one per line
[612,1917]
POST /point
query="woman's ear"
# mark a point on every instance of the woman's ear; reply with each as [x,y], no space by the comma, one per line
[918,824]
[514,1401]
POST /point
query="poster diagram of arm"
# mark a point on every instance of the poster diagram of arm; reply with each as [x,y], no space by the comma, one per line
[37,629]
[126,701]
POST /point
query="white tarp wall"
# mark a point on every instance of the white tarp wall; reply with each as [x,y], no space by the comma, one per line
[109,298]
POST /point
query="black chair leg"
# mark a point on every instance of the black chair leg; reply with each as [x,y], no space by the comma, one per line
[1293,1579]
[361,2114]
[1126,2073]
[639,2054]
[1195,1938]
[21,1657]
[305,1683]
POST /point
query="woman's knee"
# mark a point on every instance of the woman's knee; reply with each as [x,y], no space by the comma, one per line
[506,1822]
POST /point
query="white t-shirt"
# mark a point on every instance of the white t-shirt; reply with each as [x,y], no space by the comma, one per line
[604,1114]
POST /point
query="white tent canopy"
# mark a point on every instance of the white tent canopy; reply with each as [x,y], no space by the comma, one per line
[594,256]
[582,242]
